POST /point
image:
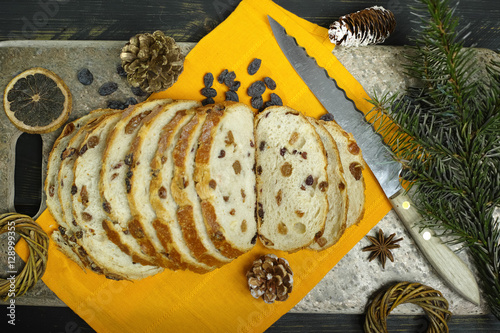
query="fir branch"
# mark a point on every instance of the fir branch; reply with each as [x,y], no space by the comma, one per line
[446,133]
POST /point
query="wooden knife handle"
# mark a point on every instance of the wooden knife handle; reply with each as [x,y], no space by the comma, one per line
[447,264]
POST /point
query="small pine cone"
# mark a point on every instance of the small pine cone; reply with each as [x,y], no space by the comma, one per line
[368,26]
[270,277]
[152,61]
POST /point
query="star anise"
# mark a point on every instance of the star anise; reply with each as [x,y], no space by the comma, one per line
[381,247]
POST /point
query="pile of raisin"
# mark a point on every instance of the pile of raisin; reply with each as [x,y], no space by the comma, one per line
[255,91]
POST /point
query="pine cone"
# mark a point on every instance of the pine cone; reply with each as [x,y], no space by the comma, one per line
[369,26]
[152,61]
[270,277]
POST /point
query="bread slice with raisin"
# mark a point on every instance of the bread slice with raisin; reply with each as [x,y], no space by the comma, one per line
[141,152]
[166,224]
[189,213]
[65,190]
[60,237]
[225,179]
[337,195]
[353,164]
[292,180]
[114,183]
[89,213]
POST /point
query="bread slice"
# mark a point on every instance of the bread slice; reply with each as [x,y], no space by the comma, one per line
[89,213]
[166,224]
[292,180]
[189,213]
[337,195]
[67,227]
[51,187]
[114,183]
[67,248]
[141,153]
[353,165]
[225,179]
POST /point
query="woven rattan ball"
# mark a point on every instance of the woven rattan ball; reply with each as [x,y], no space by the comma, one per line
[430,300]
[38,243]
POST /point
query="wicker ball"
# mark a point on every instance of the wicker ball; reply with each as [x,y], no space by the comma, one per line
[34,268]
[430,300]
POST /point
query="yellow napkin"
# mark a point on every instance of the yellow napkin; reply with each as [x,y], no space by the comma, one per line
[220,301]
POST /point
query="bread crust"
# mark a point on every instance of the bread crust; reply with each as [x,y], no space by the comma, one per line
[51,185]
[140,160]
[160,195]
[356,203]
[64,186]
[116,262]
[113,182]
[337,195]
[193,236]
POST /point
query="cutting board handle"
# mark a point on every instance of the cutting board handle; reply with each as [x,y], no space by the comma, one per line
[449,266]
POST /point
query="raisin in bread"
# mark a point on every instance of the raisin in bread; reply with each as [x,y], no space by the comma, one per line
[65,190]
[189,213]
[337,195]
[60,237]
[114,183]
[166,224]
[225,179]
[142,150]
[292,180]
[89,213]
[353,165]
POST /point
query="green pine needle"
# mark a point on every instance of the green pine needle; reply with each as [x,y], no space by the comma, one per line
[446,133]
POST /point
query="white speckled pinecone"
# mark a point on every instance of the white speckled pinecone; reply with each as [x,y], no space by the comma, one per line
[368,26]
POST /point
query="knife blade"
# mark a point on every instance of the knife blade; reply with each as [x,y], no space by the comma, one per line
[380,161]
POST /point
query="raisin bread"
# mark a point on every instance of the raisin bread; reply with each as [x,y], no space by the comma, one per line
[292,180]
[225,179]
[142,150]
[337,196]
[60,237]
[189,213]
[65,189]
[353,165]
[89,213]
[166,224]
[114,183]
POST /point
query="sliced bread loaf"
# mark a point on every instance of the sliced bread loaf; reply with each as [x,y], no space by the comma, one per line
[140,155]
[166,223]
[65,244]
[67,226]
[353,165]
[337,196]
[89,213]
[292,180]
[54,161]
[225,179]
[114,183]
[189,213]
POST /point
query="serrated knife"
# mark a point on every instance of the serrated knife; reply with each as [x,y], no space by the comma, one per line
[380,161]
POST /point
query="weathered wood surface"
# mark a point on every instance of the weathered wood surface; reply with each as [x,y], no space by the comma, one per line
[50,319]
[189,21]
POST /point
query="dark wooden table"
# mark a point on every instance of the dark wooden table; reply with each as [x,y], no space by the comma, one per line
[189,22]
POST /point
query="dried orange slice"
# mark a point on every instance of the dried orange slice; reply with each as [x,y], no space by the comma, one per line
[37,101]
